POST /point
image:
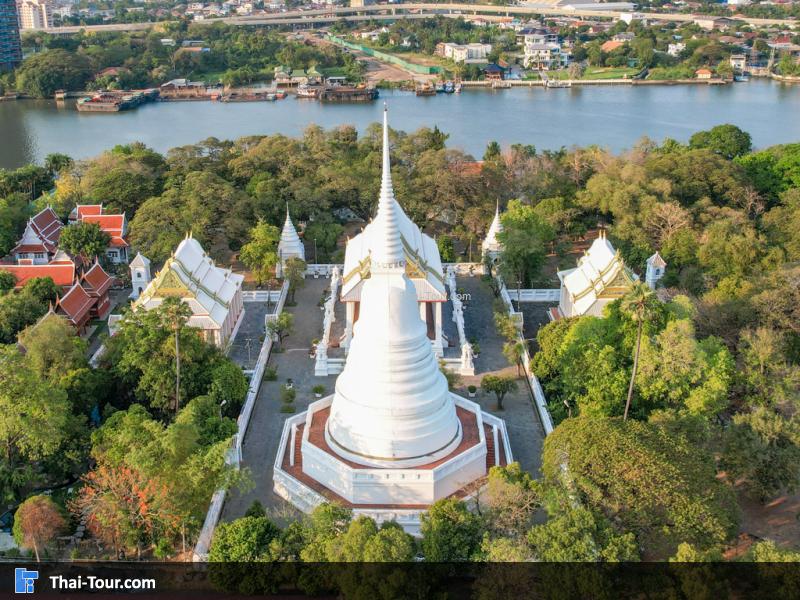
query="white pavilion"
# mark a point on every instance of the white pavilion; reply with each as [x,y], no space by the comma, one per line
[213,294]
[392,439]
[491,246]
[289,245]
[423,267]
[600,278]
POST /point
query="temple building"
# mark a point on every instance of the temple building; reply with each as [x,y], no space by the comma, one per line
[392,439]
[61,269]
[491,246]
[116,226]
[213,294]
[423,268]
[40,240]
[600,278]
[86,299]
[289,245]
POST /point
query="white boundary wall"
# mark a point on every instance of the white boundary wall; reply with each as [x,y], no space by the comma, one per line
[539,399]
[234,455]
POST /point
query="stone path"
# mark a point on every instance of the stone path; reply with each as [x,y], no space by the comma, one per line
[263,434]
[245,347]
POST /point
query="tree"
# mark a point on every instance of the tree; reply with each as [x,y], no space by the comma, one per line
[574,534]
[499,386]
[450,532]
[84,239]
[637,303]
[510,500]
[260,253]
[514,351]
[524,238]
[56,162]
[243,540]
[294,271]
[762,453]
[37,522]
[34,418]
[726,140]
[228,387]
[656,480]
[446,250]
[281,327]
[45,72]
[7,282]
[52,349]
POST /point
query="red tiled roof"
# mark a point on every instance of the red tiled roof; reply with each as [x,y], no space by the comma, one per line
[75,304]
[32,248]
[47,224]
[96,281]
[62,274]
[113,225]
[83,210]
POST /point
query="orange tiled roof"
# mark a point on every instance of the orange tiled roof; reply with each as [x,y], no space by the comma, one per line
[75,304]
[113,225]
[96,281]
[62,273]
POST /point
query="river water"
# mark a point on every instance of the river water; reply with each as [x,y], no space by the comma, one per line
[611,116]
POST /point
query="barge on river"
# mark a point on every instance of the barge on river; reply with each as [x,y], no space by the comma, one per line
[114,101]
[341,93]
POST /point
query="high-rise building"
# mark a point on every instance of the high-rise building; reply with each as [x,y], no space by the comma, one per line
[34,14]
[10,47]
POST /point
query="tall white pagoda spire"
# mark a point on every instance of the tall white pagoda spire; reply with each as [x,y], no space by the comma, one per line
[388,251]
[289,245]
[392,406]
[490,243]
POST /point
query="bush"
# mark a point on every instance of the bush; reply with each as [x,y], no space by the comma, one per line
[287,408]
[270,374]
[318,389]
[288,395]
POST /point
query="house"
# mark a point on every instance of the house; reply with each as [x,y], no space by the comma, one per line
[314,76]
[182,88]
[282,74]
[464,53]
[494,72]
[213,294]
[611,45]
[703,73]
[623,37]
[40,240]
[713,23]
[116,226]
[544,56]
[298,77]
[738,62]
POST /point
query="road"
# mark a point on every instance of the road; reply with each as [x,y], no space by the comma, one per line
[414,10]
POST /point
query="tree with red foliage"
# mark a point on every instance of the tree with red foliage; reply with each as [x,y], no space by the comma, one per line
[37,522]
[125,508]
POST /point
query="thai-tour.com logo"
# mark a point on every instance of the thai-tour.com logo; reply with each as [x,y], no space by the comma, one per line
[24,580]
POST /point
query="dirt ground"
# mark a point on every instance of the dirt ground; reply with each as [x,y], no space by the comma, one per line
[375,70]
[777,520]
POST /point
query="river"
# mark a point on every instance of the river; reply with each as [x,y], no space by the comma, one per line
[611,116]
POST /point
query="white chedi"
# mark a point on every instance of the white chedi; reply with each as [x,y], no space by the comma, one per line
[402,413]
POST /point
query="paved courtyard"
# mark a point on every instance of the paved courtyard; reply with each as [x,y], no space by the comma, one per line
[266,424]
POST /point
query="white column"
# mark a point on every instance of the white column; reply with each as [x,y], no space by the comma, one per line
[496,445]
[438,346]
[348,328]
[291,444]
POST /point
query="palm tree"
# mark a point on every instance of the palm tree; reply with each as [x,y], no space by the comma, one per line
[638,304]
[176,313]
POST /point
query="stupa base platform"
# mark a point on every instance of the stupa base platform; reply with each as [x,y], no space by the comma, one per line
[307,472]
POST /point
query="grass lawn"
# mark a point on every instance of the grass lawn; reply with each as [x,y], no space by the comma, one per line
[609,73]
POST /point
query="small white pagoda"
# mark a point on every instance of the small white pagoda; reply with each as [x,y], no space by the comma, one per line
[392,439]
[600,278]
[213,294]
[290,245]
[656,267]
[491,246]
